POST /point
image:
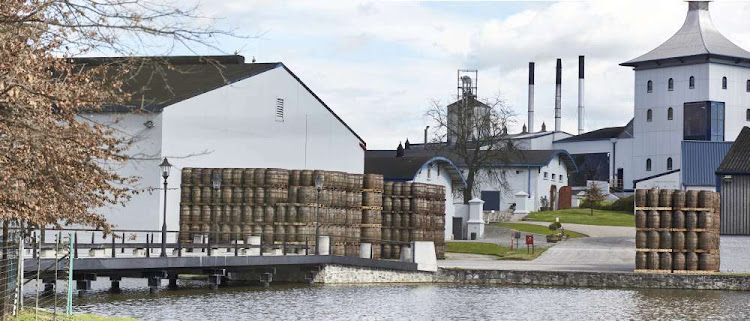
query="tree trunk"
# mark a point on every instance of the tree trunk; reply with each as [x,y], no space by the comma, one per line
[469,188]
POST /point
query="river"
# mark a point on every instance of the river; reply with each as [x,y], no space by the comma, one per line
[412,302]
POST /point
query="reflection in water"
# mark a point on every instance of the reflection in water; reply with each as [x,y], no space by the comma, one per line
[416,302]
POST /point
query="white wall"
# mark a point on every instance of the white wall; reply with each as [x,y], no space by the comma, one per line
[543,185]
[667,181]
[431,175]
[142,210]
[736,97]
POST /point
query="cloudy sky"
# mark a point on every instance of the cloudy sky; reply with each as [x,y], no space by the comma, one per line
[378,64]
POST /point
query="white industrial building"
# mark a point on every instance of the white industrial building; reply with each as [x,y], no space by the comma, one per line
[220,112]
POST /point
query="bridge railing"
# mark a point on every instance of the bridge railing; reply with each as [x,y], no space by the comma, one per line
[150,243]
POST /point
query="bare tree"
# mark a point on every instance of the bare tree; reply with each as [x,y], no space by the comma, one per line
[474,133]
[54,165]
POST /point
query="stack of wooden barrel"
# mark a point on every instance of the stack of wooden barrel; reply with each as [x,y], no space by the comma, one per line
[372,198]
[412,212]
[279,205]
[677,231]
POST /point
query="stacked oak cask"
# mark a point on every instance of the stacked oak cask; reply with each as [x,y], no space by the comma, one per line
[412,212]
[677,231]
[372,206]
[280,205]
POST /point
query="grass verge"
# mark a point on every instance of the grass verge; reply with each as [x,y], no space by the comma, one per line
[501,252]
[536,229]
[28,315]
[583,216]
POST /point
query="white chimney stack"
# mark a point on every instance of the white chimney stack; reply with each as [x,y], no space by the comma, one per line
[531,98]
[581,110]
[558,89]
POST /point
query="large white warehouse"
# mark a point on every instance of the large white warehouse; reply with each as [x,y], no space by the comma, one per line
[220,112]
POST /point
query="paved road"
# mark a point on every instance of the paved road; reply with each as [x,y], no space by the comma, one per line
[609,248]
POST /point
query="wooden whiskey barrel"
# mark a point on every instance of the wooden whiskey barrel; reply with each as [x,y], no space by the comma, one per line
[691,220]
[640,197]
[652,260]
[665,240]
[704,241]
[665,219]
[678,240]
[678,199]
[652,240]
[678,219]
[665,261]
[705,262]
[388,188]
[641,238]
[705,220]
[640,261]
[678,261]
[691,241]
[653,219]
[652,197]
[665,198]
[259,177]
[691,261]
[691,198]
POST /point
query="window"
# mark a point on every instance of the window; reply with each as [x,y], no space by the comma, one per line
[649,86]
[649,115]
[670,113]
[669,163]
[648,164]
[438,171]
[691,83]
[545,175]
[670,84]
[280,110]
[553,177]
[518,172]
[491,200]
[704,121]
[747,86]
[747,115]
[429,171]
[724,83]
[561,178]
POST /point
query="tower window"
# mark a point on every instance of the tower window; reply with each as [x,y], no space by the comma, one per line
[724,83]
[649,86]
[691,83]
[670,113]
[747,86]
[669,163]
[648,164]
[747,115]
[670,84]
[649,115]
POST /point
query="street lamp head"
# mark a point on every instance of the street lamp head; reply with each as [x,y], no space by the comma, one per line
[216,180]
[319,181]
[165,167]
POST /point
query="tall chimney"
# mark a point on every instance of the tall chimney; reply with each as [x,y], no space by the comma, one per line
[531,98]
[581,110]
[558,88]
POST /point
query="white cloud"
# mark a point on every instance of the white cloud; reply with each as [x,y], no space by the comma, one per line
[377,64]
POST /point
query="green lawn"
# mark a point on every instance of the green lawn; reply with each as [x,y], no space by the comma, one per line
[582,216]
[536,229]
[502,252]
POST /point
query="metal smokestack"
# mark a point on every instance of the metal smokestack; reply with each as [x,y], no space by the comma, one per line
[558,88]
[531,98]
[581,110]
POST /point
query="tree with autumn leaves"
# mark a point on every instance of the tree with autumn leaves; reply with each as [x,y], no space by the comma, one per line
[54,165]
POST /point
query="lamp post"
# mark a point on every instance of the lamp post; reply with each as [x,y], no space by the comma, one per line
[318,186]
[165,167]
[216,182]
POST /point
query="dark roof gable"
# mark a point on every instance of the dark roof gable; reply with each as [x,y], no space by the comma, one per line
[737,160]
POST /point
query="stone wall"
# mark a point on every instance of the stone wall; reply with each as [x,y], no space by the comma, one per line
[337,274]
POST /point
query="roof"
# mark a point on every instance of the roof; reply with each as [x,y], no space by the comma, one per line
[520,158]
[602,134]
[471,100]
[700,159]
[737,160]
[406,168]
[160,81]
[697,37]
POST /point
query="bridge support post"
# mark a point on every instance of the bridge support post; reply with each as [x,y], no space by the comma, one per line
[214,277]
[83,283]
[172,281]
[266,276]
[114,284]
[153,284]
[49,287]
[312,273]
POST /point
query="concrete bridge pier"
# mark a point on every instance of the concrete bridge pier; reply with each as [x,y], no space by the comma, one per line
[172,281]
[266,276]
[154,280]
[114,284]
[49,287]
[215,277]
[83,283]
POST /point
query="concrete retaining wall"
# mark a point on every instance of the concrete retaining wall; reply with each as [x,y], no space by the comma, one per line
[336,274]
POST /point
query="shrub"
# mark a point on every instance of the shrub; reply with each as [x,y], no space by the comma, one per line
[625,204]
[555,226]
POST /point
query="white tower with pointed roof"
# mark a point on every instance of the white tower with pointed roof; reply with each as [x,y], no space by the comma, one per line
[694,86]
